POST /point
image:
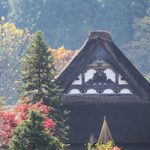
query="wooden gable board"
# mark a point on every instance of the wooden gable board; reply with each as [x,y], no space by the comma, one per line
[102,40]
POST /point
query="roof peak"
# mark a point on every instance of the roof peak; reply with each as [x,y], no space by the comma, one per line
[105,35]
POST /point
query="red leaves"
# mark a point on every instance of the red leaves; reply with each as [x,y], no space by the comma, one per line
[9,120]
[41,107]
[115,148]
[26,107]
[7,123]
[61,57]
[48,123]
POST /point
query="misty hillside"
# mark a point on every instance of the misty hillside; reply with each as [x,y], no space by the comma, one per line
[67,22]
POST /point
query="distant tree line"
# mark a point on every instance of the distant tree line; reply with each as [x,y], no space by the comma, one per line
[38,119]
[67,22]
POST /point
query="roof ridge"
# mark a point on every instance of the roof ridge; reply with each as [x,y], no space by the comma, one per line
[105,35]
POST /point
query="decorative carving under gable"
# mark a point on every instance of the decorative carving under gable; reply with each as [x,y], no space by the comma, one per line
[121,80]
[100,78]
[89,74]
[110,74]
[78,80]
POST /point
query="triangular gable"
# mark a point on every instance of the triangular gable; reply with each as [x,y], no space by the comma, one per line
[100,77]
[100,47]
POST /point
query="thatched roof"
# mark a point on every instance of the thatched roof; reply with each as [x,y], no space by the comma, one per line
[95,41]
[128,115]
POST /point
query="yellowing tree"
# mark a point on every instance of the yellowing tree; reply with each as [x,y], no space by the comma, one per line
[13,42]
[61,57]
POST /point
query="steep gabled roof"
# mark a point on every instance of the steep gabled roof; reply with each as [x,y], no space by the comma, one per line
[101,39]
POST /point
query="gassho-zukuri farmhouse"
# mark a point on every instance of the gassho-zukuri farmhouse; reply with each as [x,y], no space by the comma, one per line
[101,81]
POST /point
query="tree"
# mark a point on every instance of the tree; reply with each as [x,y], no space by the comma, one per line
[13,42]
[38,75]
[138,49]
[68,22]
[148,77]
[3,8]
[30,135]
[10,119]
[61,57]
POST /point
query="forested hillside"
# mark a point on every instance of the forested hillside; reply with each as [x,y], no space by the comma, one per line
[68,22]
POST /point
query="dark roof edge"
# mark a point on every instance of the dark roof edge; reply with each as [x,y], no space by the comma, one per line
[104,35]
[105,39]
[67,65]
[132,70]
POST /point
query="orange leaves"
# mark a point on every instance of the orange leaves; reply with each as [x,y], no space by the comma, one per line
[13,43]
[10,36]
[61,57]
[61,53]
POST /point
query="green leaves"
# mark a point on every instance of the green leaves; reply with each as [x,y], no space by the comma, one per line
[66,25]
[38,75]
[107,146]
[138,49]
[13,42]
[30,135]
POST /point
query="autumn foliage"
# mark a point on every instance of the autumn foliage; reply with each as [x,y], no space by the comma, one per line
[13,44]
[107,146]
[9,120]
[61,57]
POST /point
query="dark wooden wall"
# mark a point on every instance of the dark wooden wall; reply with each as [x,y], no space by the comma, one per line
[129,120]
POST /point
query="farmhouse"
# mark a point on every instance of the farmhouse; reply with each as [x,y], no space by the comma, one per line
[101,81]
